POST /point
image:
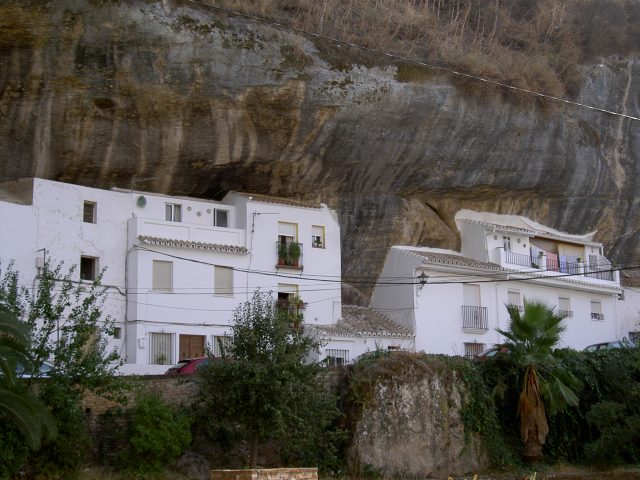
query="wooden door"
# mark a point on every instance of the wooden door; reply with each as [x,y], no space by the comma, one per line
[191,346]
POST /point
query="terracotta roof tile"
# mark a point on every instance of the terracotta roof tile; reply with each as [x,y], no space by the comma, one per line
[363,321]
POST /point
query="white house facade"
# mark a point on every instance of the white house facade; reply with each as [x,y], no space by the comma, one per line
[454,301]
[175,268]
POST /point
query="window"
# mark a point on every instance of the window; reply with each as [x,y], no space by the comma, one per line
[564,306]
[513,298]
[220,345]
[173,212]
[286,292]
[596,311]
[117,333]
[317,236]
[336,357]
[88,268]
[222,281]
[506,243]
[161,351]
[471,295]
[89,212]
[472,350]
[287,232]
[162,276]
[221,218]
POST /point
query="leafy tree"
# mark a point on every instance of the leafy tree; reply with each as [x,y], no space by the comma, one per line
[265,389]
[67,328]
[531,339]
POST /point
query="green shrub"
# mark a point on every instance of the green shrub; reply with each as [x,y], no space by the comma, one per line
[605,427]
[13,450]
[158,433]
[70,448]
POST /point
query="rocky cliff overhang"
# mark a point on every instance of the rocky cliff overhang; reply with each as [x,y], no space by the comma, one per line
[173,97]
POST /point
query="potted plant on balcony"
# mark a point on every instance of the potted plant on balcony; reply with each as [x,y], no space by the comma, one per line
[294,254]
[282,253]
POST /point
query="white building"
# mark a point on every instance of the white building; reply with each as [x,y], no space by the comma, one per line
[629,307]
[362,330]
[453,301]
[175,267]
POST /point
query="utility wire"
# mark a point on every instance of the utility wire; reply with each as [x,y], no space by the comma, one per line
[281,26]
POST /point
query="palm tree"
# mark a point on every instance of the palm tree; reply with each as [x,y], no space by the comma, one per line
[531,339]
[17,404]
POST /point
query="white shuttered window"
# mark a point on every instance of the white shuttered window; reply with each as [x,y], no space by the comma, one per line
[161,351]
[162,276]
[222,280]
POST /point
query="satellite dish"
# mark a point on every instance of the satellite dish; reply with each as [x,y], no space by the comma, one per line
[141,202]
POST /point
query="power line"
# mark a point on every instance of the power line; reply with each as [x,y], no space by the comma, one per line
[451,71]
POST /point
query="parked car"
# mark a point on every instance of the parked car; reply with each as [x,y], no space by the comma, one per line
[187,366]
[609,345]
[42,371]
[492,352]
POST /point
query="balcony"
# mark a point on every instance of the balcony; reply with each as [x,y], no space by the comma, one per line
[187,232]
[519,259]
[597,316]
[597,273]
[565,313]
[289,255]
[474,319]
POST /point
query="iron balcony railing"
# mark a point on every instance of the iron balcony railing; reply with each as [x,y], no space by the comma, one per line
[601,273]
[565,313]
[474,318]
[597,316]
[518,259]
[289,254]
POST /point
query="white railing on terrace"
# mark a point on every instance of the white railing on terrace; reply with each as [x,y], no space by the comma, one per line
[563,265]
[189,232]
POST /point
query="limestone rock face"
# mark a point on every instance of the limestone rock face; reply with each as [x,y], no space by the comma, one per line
[412,427]
[174,97]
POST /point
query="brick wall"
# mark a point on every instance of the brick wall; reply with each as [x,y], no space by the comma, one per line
[105,429]
[177,390]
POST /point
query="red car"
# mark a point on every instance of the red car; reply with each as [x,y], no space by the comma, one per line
[187,366]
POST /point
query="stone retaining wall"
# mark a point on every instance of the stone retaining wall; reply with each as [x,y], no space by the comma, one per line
[266,474]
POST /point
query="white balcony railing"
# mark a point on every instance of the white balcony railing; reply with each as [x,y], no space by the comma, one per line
[189,232]
[602,273]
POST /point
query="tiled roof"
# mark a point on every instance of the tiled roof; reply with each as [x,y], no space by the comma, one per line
[169,242]
[256,197]
[459,260]
[449,259]
[364,322]
[524,225]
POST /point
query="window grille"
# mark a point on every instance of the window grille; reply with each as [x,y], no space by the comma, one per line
[564,306]
[596,311]
[472,350]
[220,344]
[161,352]
[337,357]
